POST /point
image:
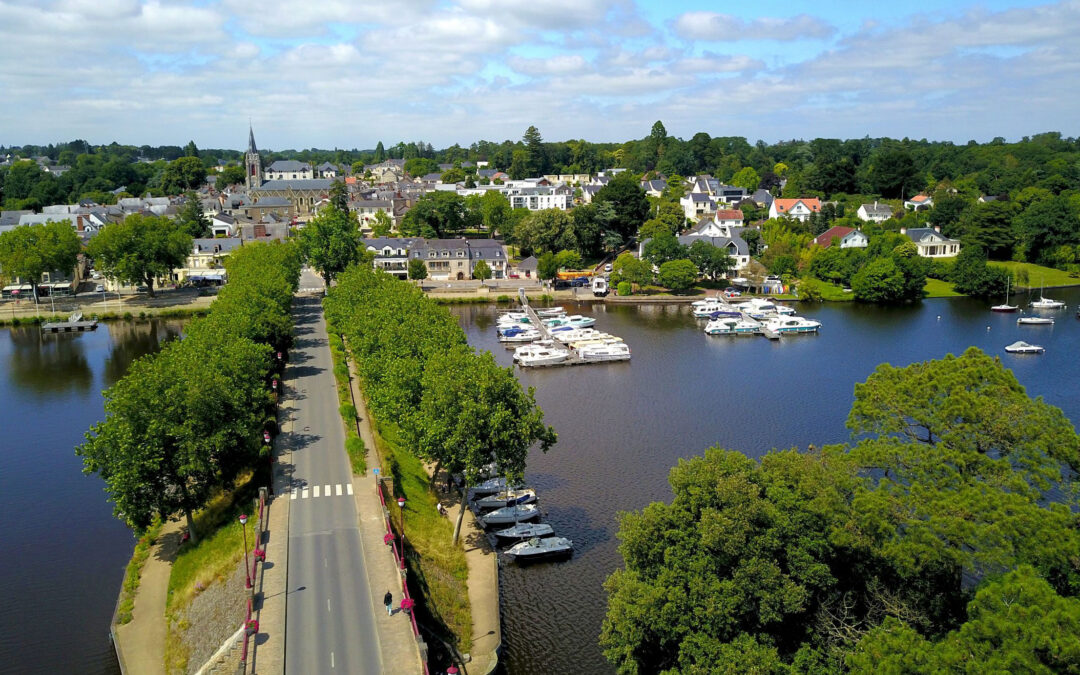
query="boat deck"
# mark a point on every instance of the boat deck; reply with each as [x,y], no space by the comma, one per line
[68,326]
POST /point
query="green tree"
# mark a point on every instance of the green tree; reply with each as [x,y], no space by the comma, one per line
[892,173]
[436,215]
[339,195]
[546,230]
[711,261]
[629,268]
[381,225]
[752,237]
[628,201]
[746,178]
[482,271]
[331,241]
[536,158]
[547,266]
[230,175]
[972,276]
[678,275]
[662,248]
[454,175]
[380,153]
[181,175]
[191,150]
[495,212]
[417,269]
[989,226]
[568,260]
[1045,225]
[192,218]
[418,167]
[140,249]
[472,413]
[29,251]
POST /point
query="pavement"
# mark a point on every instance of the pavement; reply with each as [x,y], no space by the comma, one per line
[141,642]
[99,303]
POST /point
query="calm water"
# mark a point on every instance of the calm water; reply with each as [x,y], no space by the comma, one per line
[63,552]
[623,426]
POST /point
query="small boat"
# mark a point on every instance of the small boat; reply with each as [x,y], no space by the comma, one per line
[506,498]
[597,341]
[1046,303]
[509,515]
[615,351]
[574,321]
[519,335]
[577,335]
[732,326]
[1035,321]
[784,310]
[514,317]
[490,486]
[758,308]
[1005,306]
[540,549]
[1021,347]
[550,312]
[703,309]
[525,531]
[539,354]
[792,324]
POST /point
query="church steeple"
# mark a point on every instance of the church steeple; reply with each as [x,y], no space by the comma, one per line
[252,163]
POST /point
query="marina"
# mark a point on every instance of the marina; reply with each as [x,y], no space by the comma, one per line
[553,338]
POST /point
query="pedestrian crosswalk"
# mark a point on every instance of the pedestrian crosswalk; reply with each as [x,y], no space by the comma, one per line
[311,289]
[316,491]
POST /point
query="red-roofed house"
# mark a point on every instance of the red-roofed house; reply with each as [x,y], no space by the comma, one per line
[799,209]
[729,218]
[919,201]
[849,237]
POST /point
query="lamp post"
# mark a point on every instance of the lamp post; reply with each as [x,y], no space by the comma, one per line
[247,570]
[401,506]
[269,459]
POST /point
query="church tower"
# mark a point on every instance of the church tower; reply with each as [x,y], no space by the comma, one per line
[252,164]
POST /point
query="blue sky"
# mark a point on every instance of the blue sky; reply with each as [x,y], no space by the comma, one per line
[349,73]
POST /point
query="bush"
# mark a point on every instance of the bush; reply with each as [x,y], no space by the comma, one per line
[503,299]
[348,412]
[354,446]
[128,316]
[624,288]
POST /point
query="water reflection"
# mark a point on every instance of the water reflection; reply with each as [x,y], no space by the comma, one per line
[132,340]
[42,364]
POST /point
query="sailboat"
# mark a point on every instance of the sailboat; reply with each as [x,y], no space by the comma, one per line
[1005,306]
[1046,303]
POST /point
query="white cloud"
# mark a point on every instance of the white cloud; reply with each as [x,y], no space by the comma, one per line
[711,26]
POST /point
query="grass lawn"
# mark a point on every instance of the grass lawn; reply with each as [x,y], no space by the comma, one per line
[936,288]
[438,573]
[1037,275]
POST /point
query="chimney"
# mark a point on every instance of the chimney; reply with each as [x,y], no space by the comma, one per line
[937,228]
[903,230]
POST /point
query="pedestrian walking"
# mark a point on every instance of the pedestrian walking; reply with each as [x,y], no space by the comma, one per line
[388,600]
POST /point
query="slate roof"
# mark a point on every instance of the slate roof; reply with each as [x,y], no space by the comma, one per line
[298,184]
[918,234]
[221,244]
[289,165]
[877,208]
[529,264]
[272,201]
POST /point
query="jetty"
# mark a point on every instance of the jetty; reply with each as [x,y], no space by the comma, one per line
[545,334]
[74,324]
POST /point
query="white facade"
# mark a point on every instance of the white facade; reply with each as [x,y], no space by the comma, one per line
[874,213]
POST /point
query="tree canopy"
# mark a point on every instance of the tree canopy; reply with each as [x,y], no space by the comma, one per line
[28,251]
[331,241]
[140,249]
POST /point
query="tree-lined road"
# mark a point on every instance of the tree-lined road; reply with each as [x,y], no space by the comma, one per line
[330,615]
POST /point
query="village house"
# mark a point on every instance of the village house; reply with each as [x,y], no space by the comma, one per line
[720,230]
[919,202]
[289,169]
[205,265]
[874,213]
[455,259]
[849,237]
[391,254]
[799,209]
[931,242]
[697,204]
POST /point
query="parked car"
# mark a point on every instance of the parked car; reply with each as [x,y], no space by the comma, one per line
[607,267]
[100,288]
[728,293]
[142,289]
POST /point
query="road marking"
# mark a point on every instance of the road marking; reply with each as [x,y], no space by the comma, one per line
[295,493]
[328,604]
[326,491]
[338,489]
[304,494]
[331,659]
[349,486]
[316,494]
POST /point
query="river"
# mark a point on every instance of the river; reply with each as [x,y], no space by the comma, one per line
[63,553]
[622,426]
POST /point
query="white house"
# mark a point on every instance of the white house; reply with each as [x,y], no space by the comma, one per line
[721,233]
[874,213]
[697,204]
[849,237]
[931,242]
[799,209]
[541,198]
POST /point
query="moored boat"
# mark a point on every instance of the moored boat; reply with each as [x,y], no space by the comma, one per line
[508,515]
[506,498]
[613,351]
[519,335]
[489,486]
[540,549]
[727,325]
[1005,306]
[550,312]
[540,354]
[1021,347]
[578,334]
[792,324]
[525,531]
[1035,321]
[574,321]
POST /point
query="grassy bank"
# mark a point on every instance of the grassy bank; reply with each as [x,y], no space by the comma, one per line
[936,288]
[354,445]
[438,573]
[211,560]
[1031,275]
[171,313]
[133,572]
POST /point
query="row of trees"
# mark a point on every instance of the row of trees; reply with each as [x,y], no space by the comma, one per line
[944,540]
[455,408]
[187,420]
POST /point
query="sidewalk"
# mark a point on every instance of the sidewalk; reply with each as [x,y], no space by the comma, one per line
[141,642]
[395,632]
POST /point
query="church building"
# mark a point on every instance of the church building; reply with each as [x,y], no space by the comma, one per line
[303,194]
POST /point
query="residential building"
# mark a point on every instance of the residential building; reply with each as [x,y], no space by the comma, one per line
[931,242]
[697,204]
[654,188]
[391,254]
[289,169]
[541,198]
[205,265]
[721,233]
[874,213]
[455,259]
[849,237]
[526,269]
[367,208]
[919,202]
[762,198]
[799,209]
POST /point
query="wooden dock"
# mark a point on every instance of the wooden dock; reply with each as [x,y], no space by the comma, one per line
[545,333]
[68,326]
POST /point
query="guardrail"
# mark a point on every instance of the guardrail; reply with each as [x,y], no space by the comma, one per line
[407,602]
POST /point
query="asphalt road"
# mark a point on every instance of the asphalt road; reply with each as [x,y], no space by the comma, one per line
[330,613]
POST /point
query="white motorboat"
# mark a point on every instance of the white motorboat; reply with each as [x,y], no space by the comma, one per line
[1047,303]
[506,498]
[614,351]
[1021,347]
[509,515]
[540,354]
[784,310]
[726,325]
[1005,306]
[525,531]
[758,308]
[514,317]
[792,324]
[573,321]
[550,312]
[519,335]
[540,549]
[1035,321]
[703,309]
[490,486]
[596,341]
[578,334]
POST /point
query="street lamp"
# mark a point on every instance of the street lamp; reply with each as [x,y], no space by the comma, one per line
[269,459]
[401,506]
[247,570]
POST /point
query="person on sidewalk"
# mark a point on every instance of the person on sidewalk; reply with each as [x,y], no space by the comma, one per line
[388,600]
